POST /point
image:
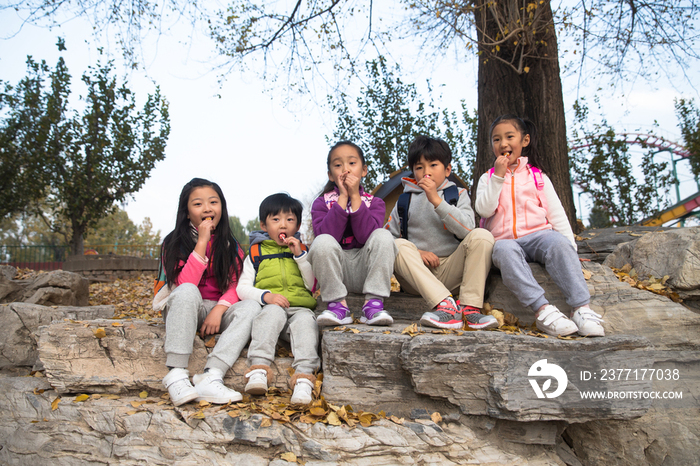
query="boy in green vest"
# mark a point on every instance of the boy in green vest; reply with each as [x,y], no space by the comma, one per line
[278,275]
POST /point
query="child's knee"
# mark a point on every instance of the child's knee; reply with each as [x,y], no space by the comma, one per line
[324,244]
[505,248]
[381,237]
[187,292]
[405,247]
[479,235]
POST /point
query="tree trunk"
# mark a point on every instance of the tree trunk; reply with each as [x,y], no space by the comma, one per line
[536,95]
[76,241]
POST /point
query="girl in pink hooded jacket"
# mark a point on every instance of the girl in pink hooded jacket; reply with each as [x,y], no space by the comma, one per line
[202,262]
[518,204]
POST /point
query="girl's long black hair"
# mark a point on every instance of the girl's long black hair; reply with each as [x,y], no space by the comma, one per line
[525,126]
[225,256]
[330,186]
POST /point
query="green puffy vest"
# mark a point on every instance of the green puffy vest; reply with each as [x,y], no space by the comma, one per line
[281,274]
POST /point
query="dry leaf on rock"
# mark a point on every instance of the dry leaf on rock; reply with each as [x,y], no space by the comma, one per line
[436,417]
[99,332]
[54,403]
[289,457]
[81,397]
[211,342]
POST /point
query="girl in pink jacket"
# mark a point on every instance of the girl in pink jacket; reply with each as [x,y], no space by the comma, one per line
[520,207]
[202,262]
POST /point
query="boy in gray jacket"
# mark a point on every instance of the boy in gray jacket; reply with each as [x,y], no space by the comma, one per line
[440,251]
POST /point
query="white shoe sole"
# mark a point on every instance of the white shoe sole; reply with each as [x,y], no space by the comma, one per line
[384,319]
[326,321]
[484,326]
[185,399]
[557,334]
[256,388]
[431,323]
[220,400]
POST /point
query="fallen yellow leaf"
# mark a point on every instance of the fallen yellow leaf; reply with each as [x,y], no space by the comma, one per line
[436,417]
[82,397]
[143,394]
[333,419]
[54,403]
[100,333]
[289,457]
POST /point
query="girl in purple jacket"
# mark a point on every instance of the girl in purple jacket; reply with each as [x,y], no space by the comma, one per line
[351,251]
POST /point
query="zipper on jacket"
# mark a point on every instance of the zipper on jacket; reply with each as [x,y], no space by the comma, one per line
[512,196]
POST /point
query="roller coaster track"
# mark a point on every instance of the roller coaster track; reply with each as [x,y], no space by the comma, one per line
[678,210]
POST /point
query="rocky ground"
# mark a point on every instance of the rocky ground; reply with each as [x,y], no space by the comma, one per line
[81,384]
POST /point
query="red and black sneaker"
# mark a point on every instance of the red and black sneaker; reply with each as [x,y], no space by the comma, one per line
[476,320]
[446,315]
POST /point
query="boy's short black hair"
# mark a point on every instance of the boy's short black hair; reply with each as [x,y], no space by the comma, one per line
[431,149]
[280,202]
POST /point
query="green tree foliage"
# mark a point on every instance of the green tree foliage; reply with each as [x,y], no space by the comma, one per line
[238,229]
[389,114]
[75,165]
[689,123]
[604,168]
[118,229]
[252,225]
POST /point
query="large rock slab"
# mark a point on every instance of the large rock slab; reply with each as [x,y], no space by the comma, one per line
[56,288]
[483,373]
[127,359]
[675,253]
[664,436]
[19,323]
[596,244]
[113,431]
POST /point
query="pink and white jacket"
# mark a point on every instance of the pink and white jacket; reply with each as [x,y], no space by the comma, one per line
[513,207]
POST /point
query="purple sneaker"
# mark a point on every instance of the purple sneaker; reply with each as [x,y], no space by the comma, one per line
[336,314]
[373,313]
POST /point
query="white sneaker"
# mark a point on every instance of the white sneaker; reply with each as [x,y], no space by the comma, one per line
[181,391]
[302,392]
[588,322]
[210,387]
[257,382]
[552,322]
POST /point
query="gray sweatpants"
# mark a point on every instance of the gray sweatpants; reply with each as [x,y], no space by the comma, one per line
[296,325]
[184,315]
[555,252]
[365,270]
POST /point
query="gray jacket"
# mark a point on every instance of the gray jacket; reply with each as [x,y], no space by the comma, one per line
[434,229]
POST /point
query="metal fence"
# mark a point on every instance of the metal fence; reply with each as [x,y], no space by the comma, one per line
[49,257]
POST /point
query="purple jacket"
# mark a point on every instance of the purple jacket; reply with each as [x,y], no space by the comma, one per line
[350,230]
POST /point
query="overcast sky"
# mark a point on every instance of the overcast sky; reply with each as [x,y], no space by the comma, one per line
[248,140]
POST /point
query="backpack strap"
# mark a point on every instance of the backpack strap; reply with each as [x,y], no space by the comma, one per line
[161,280]
[537,175]
[402,208]
[451,194]
[256,257]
